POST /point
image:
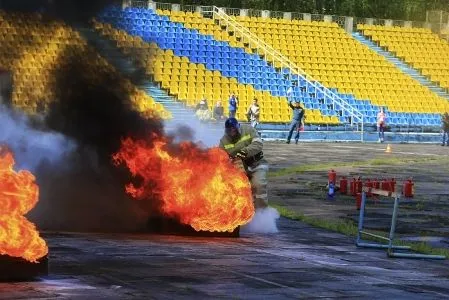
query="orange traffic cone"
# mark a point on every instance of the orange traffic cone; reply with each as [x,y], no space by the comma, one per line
[388,150]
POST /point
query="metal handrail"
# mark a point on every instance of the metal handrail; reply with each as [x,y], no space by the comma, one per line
[284,61]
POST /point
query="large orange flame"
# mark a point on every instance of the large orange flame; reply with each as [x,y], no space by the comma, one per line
[18,195]
[200,187]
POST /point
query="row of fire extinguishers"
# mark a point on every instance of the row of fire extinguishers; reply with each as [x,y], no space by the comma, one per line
[356,185]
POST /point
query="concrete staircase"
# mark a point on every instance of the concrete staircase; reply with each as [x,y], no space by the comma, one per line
[404,67]
[125,65]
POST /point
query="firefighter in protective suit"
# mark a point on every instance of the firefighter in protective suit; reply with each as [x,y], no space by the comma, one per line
[243,143]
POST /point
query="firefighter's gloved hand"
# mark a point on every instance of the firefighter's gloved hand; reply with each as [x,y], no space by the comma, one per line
[242,154]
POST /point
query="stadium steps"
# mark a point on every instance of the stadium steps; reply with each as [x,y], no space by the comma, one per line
[401,65]
[208,133]
[121,62]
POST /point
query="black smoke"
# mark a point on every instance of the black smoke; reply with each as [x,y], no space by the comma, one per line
[83,190]
[93,106]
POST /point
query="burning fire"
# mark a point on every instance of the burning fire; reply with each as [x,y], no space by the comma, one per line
[18,195]
[202,188]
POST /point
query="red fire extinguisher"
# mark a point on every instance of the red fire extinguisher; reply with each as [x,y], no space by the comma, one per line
[369,184]
[385,185]
[408,188]
[359,185]
[353,187]
[343,185]
[376,183]
[358,200]
[332,176]
[393,184]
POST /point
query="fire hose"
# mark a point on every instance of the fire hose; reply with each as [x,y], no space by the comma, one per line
[237,162]
[238,158]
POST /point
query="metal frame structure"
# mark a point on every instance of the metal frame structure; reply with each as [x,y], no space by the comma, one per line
[389,245]
[293,15]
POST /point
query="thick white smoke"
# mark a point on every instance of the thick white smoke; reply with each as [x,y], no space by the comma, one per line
[31,146]
[207,134]
[264,221]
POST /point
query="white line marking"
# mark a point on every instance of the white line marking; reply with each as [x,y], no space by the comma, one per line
[259,279]
[394,152]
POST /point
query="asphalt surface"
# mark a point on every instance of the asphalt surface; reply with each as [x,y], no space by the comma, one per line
[298,262]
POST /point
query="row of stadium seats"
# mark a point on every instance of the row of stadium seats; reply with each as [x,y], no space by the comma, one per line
[122,19]
[382,88]
[422,49]
[208,50]
[35,52]
[258,68]
[205,26]
[331,81]
[317,29]
[200,83]
[28,53]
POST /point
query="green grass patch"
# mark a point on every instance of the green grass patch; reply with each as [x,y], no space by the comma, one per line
[349,228]
[342,226]
[425,248]
[370,162]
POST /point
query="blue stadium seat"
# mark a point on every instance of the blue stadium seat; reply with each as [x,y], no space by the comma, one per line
[199,48]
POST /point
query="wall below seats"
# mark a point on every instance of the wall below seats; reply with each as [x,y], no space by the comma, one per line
[348,136]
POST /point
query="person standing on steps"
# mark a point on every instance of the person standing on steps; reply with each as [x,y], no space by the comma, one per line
[381,123]
[253,113]
[233,105]
[297,120]
[218,111]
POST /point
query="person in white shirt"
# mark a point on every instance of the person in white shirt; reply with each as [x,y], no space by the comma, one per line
[253,113]
[381,123]
[290,93]
[202,112]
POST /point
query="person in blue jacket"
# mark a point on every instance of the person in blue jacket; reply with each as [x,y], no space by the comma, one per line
[233,105]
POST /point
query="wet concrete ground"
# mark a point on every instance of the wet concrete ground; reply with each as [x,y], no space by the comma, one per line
[299,262]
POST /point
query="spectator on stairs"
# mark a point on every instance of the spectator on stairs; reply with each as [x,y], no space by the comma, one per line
[253,113]
[201,105]
[297,120]
[233,105]
[219,112]
[381,123]
[202,111]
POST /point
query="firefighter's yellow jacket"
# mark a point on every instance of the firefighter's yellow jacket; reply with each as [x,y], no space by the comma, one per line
[250,141]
